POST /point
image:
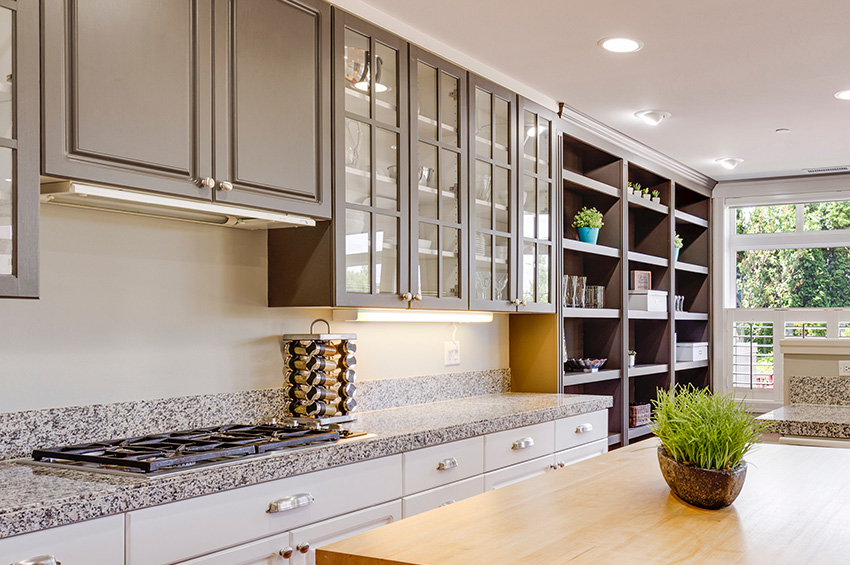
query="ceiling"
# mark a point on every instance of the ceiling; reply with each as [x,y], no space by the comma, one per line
[729,72]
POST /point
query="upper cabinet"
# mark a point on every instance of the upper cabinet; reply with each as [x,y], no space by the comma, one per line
[493,193]
[19,114]
[155,96]
[537,192]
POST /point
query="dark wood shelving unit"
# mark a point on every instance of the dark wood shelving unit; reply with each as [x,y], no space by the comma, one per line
[637,235]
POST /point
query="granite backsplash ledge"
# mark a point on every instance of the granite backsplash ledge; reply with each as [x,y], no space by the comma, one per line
[21,432]
[832,391]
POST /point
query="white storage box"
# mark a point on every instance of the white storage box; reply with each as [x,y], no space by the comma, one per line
[697,351]
[649,300]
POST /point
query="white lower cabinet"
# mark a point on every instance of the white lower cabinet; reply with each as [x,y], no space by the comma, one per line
[267,551]
[519,472]
[441,496]
[581,453]
[305,540]
[96,542]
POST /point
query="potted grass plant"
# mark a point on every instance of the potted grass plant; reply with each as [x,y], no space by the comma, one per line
[704,438]
[588,222]
[656,197]
[632,357]
[644,193]
[677,245]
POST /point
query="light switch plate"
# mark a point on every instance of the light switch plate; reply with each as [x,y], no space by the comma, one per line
[844,368]
[452,356]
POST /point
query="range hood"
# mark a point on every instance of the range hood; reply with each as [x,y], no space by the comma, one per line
[83,195]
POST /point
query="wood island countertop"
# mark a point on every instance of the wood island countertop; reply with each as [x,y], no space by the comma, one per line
[794,508]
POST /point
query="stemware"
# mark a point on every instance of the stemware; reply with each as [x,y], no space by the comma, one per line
[501,283]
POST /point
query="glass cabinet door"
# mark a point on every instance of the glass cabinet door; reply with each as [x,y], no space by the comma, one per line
[371,207]
[493,189]
[537,170]
[19,185]
[439,264]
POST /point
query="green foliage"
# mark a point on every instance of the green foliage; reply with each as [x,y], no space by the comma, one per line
[645,190]
[677,241]
[697,427]
[655,194]
[819,216]
[635,186]
[632,352]
[766,219]
[588,218]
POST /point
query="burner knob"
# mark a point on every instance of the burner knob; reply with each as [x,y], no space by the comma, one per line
[303,547]
[286,552]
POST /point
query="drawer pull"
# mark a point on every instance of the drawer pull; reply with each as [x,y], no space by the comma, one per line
[446,503]
[447,464]
[285,553]
[303,547]
[40,560]
[290,502]
[584,428]
[523,443]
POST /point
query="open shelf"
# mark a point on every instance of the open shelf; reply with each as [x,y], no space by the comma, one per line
[691,316]
[651,340]
[696,244]
[647,315]
[695,287]
[575,181]
[594,338]
[697,376]
[614,439]
[592,248]
[644,370]
[652,181]
[591,313]
[685,365]
[635,257]
[648,204]
[696,203]
[574,200]
[597,377]
[690,219]
[691,268]
[639,432]
[590,162]
[649,232]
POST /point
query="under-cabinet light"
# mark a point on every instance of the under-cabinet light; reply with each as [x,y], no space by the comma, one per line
[728,162]
[620,44]
[377,315]
[652,117]
[843,94]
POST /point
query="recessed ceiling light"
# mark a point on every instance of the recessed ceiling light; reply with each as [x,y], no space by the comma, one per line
[620,44]
[783,130]
[729,162]
[843,94]
[652,117]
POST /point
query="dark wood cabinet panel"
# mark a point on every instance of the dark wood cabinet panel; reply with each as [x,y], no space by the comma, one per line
[127,93]
[272,92]
[19,121]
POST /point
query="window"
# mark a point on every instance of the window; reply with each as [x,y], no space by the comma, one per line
[805,329]
[752,355]
[766,219]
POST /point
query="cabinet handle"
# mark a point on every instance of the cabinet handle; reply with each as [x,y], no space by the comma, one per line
[407,296]
[290,502]
[285,553]
[446,503]
[208,182]
[523,443]
[303,547]
[561,464]
[417,296]
[447,464]
[226,186]
[522,302]
[584,428]
[39,560]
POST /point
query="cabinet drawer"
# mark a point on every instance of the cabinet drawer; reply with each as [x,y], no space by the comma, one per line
[189,528]
[441,496]
[267,551]
[517,473]
[96,542]
[580,453]
[579,429]
[442,464]
[520,444]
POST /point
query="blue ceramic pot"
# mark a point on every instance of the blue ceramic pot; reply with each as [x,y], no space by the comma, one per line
[675,253]
[588,235]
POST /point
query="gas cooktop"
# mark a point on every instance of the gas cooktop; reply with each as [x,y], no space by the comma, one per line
[167,453]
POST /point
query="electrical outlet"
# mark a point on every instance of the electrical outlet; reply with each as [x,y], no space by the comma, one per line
[453,353]
[844,368]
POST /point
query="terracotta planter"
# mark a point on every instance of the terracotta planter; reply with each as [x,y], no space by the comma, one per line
[702,487]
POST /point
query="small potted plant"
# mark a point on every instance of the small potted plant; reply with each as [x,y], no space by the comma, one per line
[644,193]
[704,438]
[677,245]
[588,221]
[632,357]
[634,188]
[656,197]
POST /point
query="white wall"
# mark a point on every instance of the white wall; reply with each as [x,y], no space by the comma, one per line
[134,308]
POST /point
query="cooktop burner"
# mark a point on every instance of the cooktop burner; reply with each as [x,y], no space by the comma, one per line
[168,452]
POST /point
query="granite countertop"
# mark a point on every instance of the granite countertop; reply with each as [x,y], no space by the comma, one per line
[36,498]
[818,420]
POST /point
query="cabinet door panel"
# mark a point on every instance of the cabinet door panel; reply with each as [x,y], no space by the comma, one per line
[127,92]
[267,551]
[273,104]
[96,542]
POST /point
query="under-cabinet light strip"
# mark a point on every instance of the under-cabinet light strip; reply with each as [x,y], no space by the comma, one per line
[376,315]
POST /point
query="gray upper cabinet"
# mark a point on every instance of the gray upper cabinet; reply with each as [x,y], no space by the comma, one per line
[132,98]
[19,116]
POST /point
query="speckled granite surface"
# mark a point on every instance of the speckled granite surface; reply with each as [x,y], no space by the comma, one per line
[36,498]
[811,420]
[833,391]
[21,432]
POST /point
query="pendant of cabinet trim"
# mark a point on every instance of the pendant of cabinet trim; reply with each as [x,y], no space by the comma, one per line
[230,102]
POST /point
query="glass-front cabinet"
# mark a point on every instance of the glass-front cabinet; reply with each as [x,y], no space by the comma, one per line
[371,165]
[537,182]
[439,264]
[493,196]
[19,186]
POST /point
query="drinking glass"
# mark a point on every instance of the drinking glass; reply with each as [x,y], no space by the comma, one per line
[501,283]
[577,285]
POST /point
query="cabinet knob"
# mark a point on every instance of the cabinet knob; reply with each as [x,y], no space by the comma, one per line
[523,443]
[208,182]
[447,464]
[417,296]
[303,547]
[285,553]
[584,428]
[39,560]
[407,296]
[226,186]
[522,303]
[561,464]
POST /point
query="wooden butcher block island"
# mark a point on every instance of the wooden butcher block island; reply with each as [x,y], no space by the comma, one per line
[794,509]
